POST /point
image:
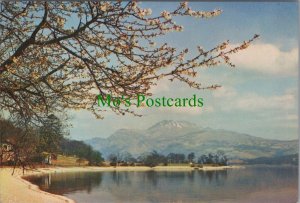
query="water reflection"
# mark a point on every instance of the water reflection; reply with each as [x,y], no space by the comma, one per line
[64,183]
[183,186]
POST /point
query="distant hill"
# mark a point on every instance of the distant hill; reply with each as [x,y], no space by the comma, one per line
[185,137]
[287,159]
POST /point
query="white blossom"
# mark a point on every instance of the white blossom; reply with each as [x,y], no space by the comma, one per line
[166,15]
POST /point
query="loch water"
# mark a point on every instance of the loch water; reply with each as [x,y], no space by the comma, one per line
[253,184]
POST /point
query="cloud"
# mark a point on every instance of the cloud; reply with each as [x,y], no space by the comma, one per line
[224,92]
[269,59]
[257,102]
[162,86]
[292,117]
[251,101]
[188,110]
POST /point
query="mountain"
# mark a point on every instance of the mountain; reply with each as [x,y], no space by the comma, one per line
[287,159]
[184,137]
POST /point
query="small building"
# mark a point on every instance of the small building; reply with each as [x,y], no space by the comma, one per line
[6,147]
[6,152]
[48,157]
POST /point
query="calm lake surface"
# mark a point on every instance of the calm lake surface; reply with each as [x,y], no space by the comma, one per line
[252,185]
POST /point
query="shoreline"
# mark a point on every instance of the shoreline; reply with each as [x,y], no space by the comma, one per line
[15,189]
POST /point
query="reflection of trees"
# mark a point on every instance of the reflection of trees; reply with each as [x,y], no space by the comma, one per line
[174,174]
[152,177]
[120,178]
[221,176]
[166,186]
[67,182]
[191,176]
[213,176]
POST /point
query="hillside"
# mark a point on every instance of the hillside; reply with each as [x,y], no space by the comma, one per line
[185,137]
[287,159]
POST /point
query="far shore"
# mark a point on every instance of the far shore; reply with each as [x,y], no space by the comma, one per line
[14,189]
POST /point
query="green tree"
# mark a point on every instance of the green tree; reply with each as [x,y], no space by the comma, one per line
[154,159]
[51,134]
[8,134]
[128,158]
[191,157]
[95,158]
[81,150]
[176,158]
[113,159]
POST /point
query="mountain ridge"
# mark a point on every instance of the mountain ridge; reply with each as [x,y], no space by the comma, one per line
[169,136]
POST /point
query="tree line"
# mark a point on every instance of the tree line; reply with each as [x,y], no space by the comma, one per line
[81,150]
[155,158]
[29,145]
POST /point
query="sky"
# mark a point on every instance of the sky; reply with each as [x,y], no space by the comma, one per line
[258,97]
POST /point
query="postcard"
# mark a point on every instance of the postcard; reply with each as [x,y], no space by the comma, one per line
[149,101]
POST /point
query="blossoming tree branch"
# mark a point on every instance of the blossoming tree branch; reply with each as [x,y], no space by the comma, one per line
[57,55]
